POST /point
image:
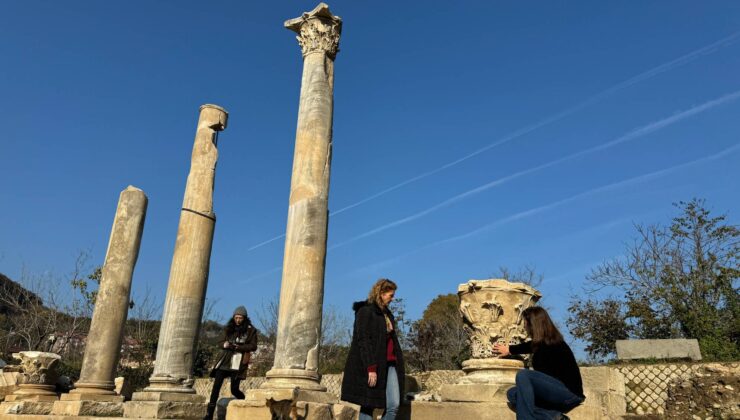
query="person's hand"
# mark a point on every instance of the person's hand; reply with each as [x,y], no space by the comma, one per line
[501,349]
[372,379]
[227,345]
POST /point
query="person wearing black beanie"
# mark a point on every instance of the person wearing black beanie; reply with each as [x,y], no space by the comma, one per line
[240,340]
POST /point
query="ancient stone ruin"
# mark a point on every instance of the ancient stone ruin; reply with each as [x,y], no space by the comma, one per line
[491,309]
[492,313]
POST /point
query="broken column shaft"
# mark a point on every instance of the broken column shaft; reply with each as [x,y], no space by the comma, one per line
[186,291]
[112,300]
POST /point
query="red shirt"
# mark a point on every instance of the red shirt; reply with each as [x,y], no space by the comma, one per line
[390,355]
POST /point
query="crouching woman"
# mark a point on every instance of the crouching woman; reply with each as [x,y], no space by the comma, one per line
[374,373]
[240,340]
[554,387]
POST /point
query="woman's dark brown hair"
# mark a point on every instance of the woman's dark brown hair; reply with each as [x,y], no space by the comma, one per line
[540,327]
[381,286]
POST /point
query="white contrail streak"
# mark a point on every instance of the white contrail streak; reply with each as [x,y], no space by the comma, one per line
[632,135]
[673,64]
[517,216]
[670,65]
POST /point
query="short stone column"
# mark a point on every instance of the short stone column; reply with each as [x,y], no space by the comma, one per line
[302,288]
[170,393]
[492,313]
[36,384]
[94,392]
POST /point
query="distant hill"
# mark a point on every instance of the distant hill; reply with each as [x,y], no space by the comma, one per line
[10,288]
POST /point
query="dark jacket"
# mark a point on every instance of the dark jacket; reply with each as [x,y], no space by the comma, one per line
[557,361]
[244,340]
[368,348]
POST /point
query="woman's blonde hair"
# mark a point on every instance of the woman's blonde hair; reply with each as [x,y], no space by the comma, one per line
[381,286]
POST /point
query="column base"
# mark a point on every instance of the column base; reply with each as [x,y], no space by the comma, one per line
[293,378]
[167,383]
[165,405]
[94,388]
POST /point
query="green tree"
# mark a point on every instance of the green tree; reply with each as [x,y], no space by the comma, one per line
[438,340]
[675,281]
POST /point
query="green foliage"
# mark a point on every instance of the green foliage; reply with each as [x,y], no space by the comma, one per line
[599,323]
[438,340]
[82,285]
[676,281]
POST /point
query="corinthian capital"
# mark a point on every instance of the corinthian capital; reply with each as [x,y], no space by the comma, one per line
[318,31]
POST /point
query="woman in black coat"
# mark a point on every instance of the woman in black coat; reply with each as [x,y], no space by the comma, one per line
[240,340]
[374,373]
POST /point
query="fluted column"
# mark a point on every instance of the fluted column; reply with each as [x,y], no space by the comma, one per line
[302,288]
[112,301]
[186,291]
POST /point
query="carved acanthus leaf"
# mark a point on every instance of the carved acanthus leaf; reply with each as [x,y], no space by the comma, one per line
[318,31]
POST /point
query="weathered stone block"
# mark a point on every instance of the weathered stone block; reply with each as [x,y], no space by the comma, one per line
[244,409]
[91,397]
[294,394]
[88,408]
[168,396]
[346,411]
[313,411]
[658,349]
[419,410]
[8,381]
[164,410]
[26,407]
[474,392]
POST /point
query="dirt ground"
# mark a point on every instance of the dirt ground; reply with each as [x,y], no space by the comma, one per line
[714,393]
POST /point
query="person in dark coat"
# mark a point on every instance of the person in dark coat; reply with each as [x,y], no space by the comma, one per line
[554,387]
[374,372]
[240,340]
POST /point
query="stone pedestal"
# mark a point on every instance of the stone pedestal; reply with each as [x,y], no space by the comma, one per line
[290,404]
[302,286]
[97,405]
[486,380]
[165,405]
[36,384]
[491,311]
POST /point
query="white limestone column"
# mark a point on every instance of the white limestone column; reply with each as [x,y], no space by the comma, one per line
[112,301]
[186,291]
[302,288]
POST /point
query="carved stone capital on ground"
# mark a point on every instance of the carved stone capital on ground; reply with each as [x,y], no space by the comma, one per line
[38,368]
[318,31]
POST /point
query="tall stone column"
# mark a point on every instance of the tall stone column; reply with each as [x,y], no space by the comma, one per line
[170,393]
[302,288]
[112,301]
[93,392]
[186,291]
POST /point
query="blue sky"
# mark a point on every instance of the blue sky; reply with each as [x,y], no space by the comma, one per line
[467,135]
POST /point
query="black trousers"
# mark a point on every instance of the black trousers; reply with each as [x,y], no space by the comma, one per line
[219,376]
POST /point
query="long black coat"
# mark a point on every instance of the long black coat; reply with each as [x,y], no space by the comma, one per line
[249,335]
[369,348]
